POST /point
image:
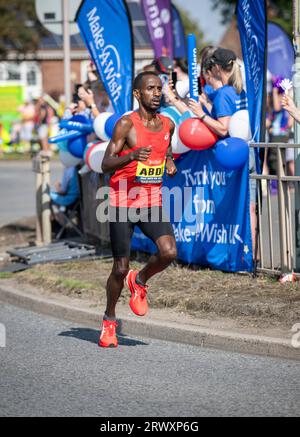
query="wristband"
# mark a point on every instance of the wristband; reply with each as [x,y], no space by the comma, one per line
[92,106]
[203,117]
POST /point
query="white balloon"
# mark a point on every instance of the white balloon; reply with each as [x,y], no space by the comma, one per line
[68,160]
[239,126]
[177,146]
[99,125]
[95,156]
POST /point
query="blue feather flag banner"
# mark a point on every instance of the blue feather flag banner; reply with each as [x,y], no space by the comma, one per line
[106,29]
[179,36]
[252,24]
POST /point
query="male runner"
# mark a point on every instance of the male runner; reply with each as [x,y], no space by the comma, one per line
[137,154]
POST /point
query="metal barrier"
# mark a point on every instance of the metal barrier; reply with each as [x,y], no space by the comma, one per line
[276,243]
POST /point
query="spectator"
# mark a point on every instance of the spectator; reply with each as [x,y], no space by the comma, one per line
[288,104]
[78,105]
[27,112]
[224,72]
[280,131]
[67,191]
[206,87]
[181,68]
[41,126]
[150,67]
[227,100]
[95,84]
[87,96]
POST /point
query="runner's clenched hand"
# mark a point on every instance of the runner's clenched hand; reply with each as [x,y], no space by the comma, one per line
[171,168]
[141,154]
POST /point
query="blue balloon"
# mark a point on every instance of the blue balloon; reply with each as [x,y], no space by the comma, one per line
[63,145]
[110,124]
[80,119]
[73,125]
[232,153]
[65,135]
[77,146]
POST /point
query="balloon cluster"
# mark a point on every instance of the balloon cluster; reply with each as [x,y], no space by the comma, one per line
[231,153]
[190,134]
[72,140]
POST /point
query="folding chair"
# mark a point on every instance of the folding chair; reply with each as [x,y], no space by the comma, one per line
[67,217]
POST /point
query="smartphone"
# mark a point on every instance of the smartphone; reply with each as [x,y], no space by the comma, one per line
[76,98]
[200,87]
[174,78]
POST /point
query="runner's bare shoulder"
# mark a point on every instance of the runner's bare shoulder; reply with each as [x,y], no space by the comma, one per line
[124,125]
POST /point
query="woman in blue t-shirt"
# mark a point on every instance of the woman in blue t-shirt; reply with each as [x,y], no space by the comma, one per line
[228,99]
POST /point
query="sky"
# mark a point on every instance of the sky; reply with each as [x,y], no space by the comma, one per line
[209,19]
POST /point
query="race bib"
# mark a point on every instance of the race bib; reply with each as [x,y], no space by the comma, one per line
[146,174]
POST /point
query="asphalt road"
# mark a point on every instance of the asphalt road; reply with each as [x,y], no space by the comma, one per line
[54,368]
[17,189]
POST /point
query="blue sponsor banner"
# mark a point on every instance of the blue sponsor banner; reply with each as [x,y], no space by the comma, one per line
[211,219]
[281,54]
[106,29]
[178,34]
[252,24]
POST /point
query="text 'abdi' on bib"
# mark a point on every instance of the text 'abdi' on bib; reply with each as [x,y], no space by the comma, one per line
[146,174]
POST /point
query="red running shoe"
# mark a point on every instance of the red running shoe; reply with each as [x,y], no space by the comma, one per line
[138,302]
[108,336]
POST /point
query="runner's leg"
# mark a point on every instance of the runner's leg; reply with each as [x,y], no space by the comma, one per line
[159,229]
[121,231]
[167,253]
[115,285]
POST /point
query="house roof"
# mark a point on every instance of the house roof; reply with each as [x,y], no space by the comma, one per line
[231,39]
[50,41]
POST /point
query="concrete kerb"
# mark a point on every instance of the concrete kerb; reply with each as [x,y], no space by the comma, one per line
[160,330]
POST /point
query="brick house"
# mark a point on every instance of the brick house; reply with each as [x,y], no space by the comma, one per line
[43,71]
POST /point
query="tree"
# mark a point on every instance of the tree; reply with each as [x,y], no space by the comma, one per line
[19,30]
[280,11]
[191,26]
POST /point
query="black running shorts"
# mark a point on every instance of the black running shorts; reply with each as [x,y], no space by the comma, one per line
[151,221]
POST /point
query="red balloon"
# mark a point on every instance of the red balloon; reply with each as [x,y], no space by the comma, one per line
[176,155]
[196,135]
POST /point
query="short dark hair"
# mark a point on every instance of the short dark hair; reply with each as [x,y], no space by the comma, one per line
[138,81]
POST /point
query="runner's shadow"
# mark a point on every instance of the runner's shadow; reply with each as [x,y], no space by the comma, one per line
[92,336]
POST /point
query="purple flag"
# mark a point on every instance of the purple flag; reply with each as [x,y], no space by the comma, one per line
[158,16]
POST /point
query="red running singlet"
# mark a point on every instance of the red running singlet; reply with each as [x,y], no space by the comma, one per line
[138,184]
